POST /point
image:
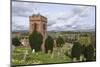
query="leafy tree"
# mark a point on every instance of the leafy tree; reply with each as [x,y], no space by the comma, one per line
[76,50]
[89,53]
[49,42]
[15,41]
[35,40]
[60,41]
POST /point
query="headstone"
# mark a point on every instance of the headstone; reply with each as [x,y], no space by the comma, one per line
[13,47]
[25,55]
[74,60]
[33,51]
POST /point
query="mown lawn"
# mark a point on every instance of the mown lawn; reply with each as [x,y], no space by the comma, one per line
[20,58]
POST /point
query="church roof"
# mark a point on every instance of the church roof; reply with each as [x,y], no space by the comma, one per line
[38,15]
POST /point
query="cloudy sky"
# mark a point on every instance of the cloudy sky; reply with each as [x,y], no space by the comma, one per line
[60,17]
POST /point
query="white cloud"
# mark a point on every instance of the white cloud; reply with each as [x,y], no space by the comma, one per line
[60,17]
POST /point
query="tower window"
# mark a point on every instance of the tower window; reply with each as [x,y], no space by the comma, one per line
[44,28]
[35,26]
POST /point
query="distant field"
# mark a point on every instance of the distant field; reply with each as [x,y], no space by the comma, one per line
[18,56]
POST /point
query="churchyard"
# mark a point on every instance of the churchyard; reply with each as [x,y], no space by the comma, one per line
[23,55]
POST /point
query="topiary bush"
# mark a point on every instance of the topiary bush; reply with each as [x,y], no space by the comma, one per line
[89,53]
[60,41]
[35,41]
[76,50]
[16,41]
[49,43]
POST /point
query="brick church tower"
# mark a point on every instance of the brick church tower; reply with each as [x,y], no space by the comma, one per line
[38,23]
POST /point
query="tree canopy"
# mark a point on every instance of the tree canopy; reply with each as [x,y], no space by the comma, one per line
[16,41]
[35,40]
[89,53]
[49,43]
[76,50]
[60,41]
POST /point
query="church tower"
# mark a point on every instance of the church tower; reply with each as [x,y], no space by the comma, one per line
[38,23]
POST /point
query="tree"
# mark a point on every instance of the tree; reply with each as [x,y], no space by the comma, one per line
[35,40]
[89,53]
[60,41]
[83,49]
[49,43]
[15,41]
[76,50]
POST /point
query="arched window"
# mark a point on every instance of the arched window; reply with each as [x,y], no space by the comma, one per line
[44,28]
[35,26]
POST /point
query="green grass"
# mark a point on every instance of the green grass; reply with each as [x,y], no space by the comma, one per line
[37,58]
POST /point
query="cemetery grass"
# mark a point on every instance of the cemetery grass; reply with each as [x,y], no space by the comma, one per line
[20,58]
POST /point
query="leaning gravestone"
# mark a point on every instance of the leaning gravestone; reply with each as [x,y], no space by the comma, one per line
[25,55]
